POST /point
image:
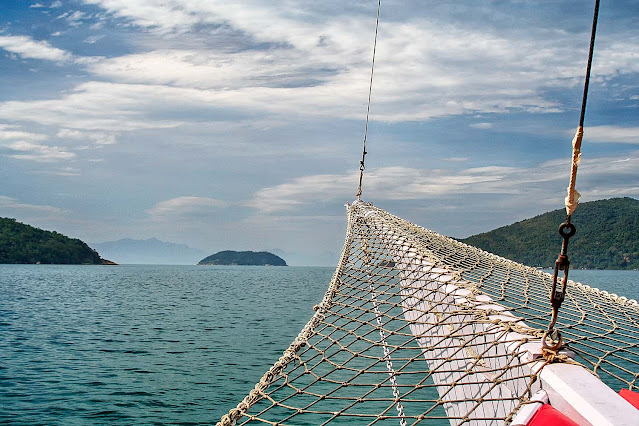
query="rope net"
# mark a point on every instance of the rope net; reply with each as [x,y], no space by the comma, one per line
[419,328]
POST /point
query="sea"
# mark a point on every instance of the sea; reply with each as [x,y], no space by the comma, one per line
[142,344]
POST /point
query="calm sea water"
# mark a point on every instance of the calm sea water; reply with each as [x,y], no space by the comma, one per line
[155,344]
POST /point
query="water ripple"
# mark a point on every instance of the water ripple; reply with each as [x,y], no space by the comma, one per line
[143,344]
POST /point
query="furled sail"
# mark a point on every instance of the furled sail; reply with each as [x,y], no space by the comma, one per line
[418,328]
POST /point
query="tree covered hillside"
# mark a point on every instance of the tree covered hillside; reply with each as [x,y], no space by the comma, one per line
[607,237]
[20,243]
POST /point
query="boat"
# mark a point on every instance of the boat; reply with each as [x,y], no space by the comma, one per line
[418,328]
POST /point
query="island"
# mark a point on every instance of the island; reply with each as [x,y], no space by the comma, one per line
[21,243]
[245,258]
[607,237]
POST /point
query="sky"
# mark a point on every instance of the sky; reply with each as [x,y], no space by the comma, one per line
[239,125]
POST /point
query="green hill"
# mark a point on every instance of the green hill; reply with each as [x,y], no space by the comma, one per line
[607,237]
[230,257]
[20,243]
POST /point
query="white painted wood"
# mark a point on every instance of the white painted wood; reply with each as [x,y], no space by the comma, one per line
[584,398]
[431,300]
[526,413]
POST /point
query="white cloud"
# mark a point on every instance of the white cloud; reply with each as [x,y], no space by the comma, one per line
[96,137]
[8,135]
[329,79]
[63,171]
[26,47]
[611,134]
[68,171]
[75,19]
[93,39]
[36,6]
[9,203]
[424,70]
[38,152]
[482,125]
[28,146]
[105,106]
[164,16]
[185,207]
[56,4]
[316,68]
[597,177]
[206,70]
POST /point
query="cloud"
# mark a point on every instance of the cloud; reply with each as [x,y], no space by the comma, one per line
[56,4]
[8,203]
[185,207]
[106,107]
[329,80]
[482,125]
[96,137]
[63,171]
[28,146]
[611,134]
[38,152]
[93,39]
[604,176]
[442,70]
[213,70]
[75,19]
[162,16]
[36,6]
[8,135]
[313,67]
[26,47]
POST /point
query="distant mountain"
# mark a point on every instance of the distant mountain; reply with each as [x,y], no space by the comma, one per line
[229,257]
[607,237]
[149,252]
[21,243]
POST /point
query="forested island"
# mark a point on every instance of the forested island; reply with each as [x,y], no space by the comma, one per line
[21,243]
[245,258]
[607,237]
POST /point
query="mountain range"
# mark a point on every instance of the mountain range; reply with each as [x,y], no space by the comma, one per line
[148,252]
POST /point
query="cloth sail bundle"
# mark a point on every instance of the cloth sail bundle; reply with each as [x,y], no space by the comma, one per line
[418,328]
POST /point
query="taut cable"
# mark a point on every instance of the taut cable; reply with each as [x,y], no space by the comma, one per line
[368,107]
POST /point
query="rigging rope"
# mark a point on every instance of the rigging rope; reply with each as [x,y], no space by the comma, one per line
[567,229]
[368,107]
[572,200]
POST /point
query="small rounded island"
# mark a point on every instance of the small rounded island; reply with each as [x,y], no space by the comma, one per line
[244,258]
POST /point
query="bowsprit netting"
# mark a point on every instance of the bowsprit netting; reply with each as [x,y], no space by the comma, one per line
[418,328]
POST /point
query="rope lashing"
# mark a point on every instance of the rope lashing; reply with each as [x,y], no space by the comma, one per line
[567,229]
[572,199]
[362,163]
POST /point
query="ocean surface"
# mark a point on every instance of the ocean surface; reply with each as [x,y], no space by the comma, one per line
[136,344]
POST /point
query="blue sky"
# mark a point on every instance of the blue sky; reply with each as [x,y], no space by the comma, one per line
[238,125]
